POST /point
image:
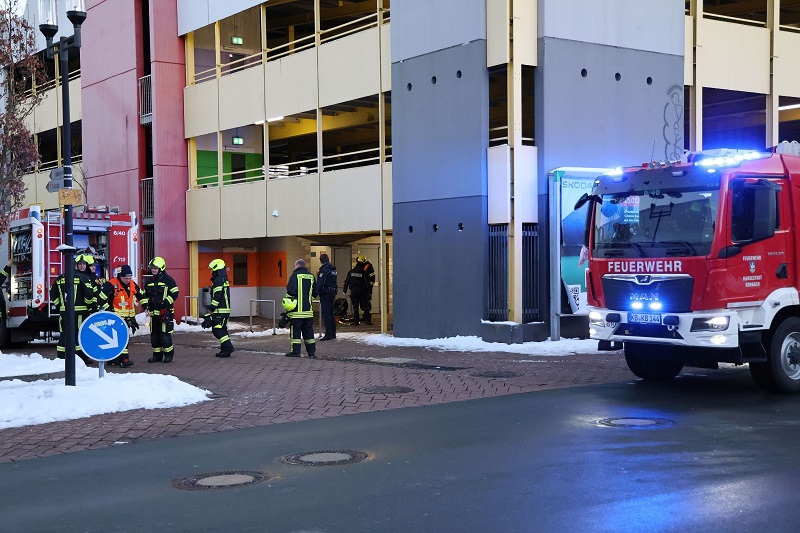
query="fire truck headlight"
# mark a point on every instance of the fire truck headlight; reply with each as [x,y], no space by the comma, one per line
[715,323]
[718,339]
[596,319]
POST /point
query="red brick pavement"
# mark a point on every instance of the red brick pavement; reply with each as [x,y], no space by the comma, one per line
[258,386]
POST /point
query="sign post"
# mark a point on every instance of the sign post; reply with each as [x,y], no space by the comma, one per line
[103,336]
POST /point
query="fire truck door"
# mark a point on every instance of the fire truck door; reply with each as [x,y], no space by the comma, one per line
[762,266]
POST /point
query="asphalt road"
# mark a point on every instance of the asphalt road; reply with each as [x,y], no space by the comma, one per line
[725,459]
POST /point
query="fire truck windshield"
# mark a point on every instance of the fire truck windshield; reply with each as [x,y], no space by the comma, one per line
[657,222]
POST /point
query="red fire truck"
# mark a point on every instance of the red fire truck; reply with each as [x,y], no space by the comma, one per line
[34,236]
[694,263]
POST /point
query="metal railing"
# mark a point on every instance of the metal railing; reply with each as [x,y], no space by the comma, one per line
[252,301]
[148,204]
[146,100]
[241,63]
[187,309]
[293,169]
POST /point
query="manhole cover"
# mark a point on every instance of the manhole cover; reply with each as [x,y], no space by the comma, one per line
[496,374]
[220,480]
[380,389]
[636,423]
[325,457]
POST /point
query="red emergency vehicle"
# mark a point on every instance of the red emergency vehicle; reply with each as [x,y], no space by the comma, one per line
[694,263]
[34,236]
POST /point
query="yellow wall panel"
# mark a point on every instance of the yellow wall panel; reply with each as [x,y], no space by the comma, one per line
[244,216]
[200,109]
[241,98]
[787,55]
[525,28]
[386,58]
[350,200]
[498,49]
[202,214]
[733,56]
[349,68]
[291,84]
[295,204]
[47,115]
[387,196]
[688,54]
[75,110]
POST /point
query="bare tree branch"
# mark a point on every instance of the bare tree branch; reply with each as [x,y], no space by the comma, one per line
[21,71]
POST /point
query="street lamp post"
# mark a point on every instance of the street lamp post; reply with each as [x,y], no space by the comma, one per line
[76,13]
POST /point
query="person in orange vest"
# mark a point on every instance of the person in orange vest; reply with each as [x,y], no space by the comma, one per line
[120,296]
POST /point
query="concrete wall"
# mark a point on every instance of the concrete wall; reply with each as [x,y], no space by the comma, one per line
[439,138]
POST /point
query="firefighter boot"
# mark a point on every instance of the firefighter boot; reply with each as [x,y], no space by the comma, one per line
[168,357]
[157,358]
[226,349]
[312,350]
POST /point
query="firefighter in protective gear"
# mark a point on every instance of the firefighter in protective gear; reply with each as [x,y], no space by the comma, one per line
[302,288]
[119,295]
[85,304]
[360,280]
[220,308]
[6,272]
[92,264]
[160,294]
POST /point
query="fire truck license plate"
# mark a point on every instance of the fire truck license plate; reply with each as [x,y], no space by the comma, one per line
[643,318]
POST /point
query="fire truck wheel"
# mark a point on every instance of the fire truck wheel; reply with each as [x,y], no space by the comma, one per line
[652,362]
[784,355]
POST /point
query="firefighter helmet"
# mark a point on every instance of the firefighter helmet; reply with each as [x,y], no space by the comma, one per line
[289,303]
[216,264]
[89,259]
[361,258]
[158,262]
[80,258]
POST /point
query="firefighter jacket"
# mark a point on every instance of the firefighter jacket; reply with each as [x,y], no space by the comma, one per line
[85,299]
[303,287]
[360,279]
[120,298]
[160,293]
[220,294]
[326,284]
[4,274]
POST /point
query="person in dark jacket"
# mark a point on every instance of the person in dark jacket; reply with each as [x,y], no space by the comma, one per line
[119,295]
[360,280]
[300,292]
[220,308]
[160,293]
[6,272]
[85,304]
[326,285]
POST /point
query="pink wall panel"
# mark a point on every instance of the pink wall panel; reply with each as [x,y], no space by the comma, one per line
[166,44]
[115,189]
[111,129]
[169,143]
[169,186]
[111,39]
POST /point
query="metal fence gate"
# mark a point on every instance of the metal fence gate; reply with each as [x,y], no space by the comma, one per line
[498,272]
[531,274]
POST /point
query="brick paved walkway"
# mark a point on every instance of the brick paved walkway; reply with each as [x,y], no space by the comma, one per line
[258,386]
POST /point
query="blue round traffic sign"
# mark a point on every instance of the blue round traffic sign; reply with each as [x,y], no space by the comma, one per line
[103,336]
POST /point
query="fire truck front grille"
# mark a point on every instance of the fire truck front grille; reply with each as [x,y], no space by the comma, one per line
[652,331]
[625,293]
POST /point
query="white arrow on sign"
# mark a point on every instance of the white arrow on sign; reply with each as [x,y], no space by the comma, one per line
[112,341]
